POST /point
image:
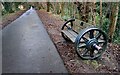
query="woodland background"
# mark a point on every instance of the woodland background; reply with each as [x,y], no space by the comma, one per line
[105,15]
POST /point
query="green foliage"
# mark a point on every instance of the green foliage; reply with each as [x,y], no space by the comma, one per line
[106,21]
[4,12]
[117,31]
[105,24]
[66,17]
[97,17]
[93,63]
[66,14]
[10,7]
[116,38]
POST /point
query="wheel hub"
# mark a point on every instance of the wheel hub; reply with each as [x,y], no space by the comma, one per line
[90,43]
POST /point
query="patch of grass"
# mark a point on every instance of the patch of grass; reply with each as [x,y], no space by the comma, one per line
[93,63]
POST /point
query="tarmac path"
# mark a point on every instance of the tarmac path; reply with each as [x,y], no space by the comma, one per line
[27,47]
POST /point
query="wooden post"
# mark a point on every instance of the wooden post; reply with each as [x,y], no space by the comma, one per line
[113,20]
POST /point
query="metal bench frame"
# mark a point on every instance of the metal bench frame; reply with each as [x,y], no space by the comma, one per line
[91,44]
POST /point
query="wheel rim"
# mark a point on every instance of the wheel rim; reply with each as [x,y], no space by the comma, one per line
[66,26]
[85,41]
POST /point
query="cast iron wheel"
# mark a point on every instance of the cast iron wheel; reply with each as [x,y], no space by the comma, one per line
[90,43]
[67,26]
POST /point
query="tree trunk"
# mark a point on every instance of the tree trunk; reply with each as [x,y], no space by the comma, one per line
[62,8]
[1,6]
[113,20]
[40,5]
[83,10]
[94,13]
[84,13]
[100,13]
[48,6]
[56,7]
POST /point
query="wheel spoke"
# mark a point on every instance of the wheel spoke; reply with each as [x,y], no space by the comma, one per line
[82,41]
[98,36]
[96,51]
[85,52]
[86,56]
[91,53]
[91,35]
[85,39]
[82,46]
[101,41]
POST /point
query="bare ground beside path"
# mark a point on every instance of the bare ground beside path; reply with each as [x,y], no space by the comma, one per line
[107,64]
[7,19]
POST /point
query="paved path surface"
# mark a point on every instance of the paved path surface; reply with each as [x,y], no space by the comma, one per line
[27,47]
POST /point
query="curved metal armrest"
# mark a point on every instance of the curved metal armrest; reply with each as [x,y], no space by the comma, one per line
[71,20]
